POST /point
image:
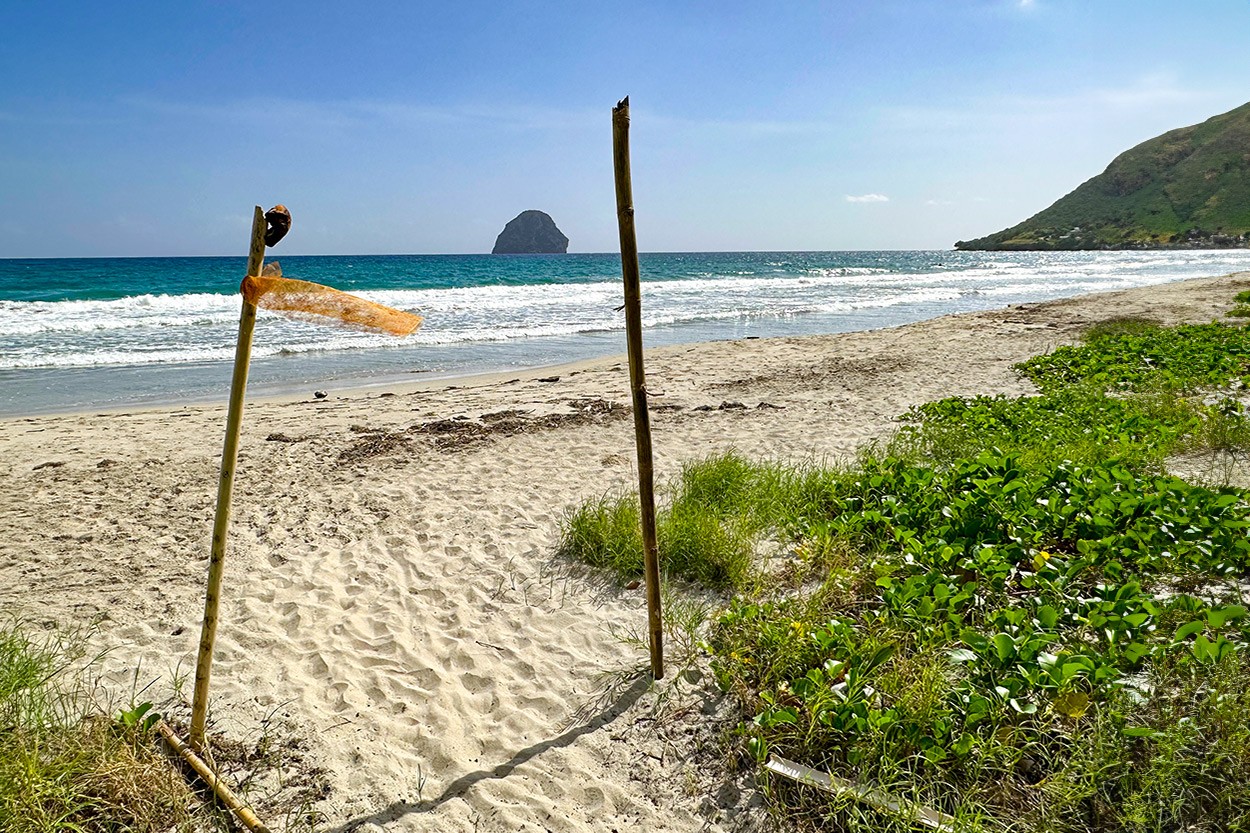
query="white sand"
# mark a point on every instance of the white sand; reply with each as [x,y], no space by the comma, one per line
[404,613]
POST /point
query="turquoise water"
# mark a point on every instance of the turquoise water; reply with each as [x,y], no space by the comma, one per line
[91,333]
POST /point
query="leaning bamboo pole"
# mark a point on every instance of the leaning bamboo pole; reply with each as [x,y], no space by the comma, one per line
[638,379]
[881,800]
[219,787]
[225,486]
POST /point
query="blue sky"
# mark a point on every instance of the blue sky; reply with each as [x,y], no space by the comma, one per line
[144,129]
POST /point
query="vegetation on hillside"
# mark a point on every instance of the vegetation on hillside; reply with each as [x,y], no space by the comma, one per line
[1189,187]
[1007,612]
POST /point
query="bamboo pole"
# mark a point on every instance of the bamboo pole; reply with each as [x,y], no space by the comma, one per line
[638,378]
[225,485]
[879,799]
[219,787]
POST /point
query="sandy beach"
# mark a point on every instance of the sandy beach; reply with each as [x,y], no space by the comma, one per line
[393,598]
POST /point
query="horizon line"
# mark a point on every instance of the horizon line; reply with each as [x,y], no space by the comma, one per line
[465,254]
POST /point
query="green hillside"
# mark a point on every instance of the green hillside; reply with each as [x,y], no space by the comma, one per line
[1189,188]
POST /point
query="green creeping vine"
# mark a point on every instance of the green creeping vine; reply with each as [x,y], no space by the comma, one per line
[1007,612]
[1189,357]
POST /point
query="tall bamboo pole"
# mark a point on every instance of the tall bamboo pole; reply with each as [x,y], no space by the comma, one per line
[225,485]
[638,378]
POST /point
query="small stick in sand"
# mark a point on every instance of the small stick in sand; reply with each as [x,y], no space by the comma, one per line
[638,378]
[219,787]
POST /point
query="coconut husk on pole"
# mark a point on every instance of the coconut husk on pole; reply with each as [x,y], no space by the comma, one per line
[638,379]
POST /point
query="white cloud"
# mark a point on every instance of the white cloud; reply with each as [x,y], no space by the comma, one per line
[868,198]
[347,113]
[89,116]
[748,126]
[1151,93]
[359,112]
[1027,4]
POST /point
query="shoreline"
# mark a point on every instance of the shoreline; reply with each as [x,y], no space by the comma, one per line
[391,585]
[355,391]
[286,393]
[173,348]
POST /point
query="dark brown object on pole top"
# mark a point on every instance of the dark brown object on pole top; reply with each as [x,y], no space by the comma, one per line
[277,224]
[638,379]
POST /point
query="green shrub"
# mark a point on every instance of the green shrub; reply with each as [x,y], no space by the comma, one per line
[1188,357]
[1012,612]
[1077,423]
[1242,310]
[1006,612]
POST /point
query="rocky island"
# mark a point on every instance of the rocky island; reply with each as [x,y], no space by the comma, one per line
[1186,189]
[531,233]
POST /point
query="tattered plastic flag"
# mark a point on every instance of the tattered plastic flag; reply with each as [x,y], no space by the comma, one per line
[322,304]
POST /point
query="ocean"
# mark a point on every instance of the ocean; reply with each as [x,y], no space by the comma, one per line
[83,334]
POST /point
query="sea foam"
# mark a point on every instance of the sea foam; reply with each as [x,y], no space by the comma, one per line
[479,300]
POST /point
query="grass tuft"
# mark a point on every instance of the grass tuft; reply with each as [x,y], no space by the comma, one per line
[1242,310]
[63,767]
[605,533]
[700,545]
[711,518]
[1120,327]
[700,535]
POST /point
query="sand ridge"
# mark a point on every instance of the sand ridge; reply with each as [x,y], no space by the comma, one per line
[394,592]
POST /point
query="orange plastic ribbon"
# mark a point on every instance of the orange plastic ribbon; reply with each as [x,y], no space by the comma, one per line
[298,299]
